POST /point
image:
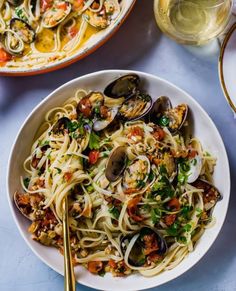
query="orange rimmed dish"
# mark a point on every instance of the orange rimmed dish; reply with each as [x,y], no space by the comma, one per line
[91,37]
[227,61]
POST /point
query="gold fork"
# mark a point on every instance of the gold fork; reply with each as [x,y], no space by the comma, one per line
[69,276]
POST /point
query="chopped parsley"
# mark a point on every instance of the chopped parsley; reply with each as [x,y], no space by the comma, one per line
[199,211]
[155,215]
[182,239]
[174,229]
[58,170]
[94,141]
[163,121]
[90,188]
[72,126]
[185,211]
[187,227]
[140,183]
[115,212]
[162,187]
[151,176]
[184,168]
[26,182]
[20,12]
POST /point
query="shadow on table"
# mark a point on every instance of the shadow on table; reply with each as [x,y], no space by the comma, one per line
[135,38]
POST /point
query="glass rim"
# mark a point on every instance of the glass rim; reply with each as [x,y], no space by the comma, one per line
[217,4]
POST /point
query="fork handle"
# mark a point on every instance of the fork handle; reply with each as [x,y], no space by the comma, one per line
[69,277]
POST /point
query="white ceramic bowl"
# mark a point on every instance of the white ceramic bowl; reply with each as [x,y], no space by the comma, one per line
[203,128]
[94,42]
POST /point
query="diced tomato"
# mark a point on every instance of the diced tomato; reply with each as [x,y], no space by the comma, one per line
[78,4]
[159,133]
[49,218]
[93,157]
[68,176]
[112,264]
[4,56]
[95,266]
[154,257]
[104,111]
[23,199]
[87,212]
[174,204]
[192,153]
[130,191]
[132,209]
[45,4]
[136,131]
[62,5]
[151,244]
[95,5]
[169,219]
[85,107]
[73,31]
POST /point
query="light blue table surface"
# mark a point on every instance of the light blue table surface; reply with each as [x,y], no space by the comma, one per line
[138,46]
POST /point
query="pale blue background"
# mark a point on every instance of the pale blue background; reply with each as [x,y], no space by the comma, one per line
[138,46]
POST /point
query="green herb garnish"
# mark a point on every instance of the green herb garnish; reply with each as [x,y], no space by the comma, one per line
[155,215]
[94,141]
[164,121]
[20,12]
[187,227]
[58,170]
[115,212]
[140,183]
[26,182]
[173,230]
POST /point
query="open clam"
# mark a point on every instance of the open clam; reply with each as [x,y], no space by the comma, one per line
[164,115]
[95,19]
[190,169]
[136,175]
[12,43]
[140,247]
[23,30]
[135,107]
[116,164]
[15,3]
[106,116]
[211,194]
[61,125]
[124,86]
[112,7]
[90,105]
[56,14]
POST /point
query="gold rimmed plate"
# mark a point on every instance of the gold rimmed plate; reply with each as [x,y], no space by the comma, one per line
[227,64]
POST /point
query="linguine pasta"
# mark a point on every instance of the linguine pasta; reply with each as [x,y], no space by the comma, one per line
[147,220]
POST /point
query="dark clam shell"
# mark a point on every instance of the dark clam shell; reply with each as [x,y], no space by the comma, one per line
[60,126]
[124,86]
[15,3]
[23,29]
[163,114]
[116,164]
[139,253]
[135,107]
[211,194]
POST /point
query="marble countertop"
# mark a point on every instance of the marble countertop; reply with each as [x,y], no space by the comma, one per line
[138,45]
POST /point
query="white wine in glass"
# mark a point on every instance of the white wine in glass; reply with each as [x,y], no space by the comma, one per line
[193,22]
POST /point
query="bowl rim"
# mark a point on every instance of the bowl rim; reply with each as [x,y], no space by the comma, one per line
[221,65]
[75,57]
[146,75]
